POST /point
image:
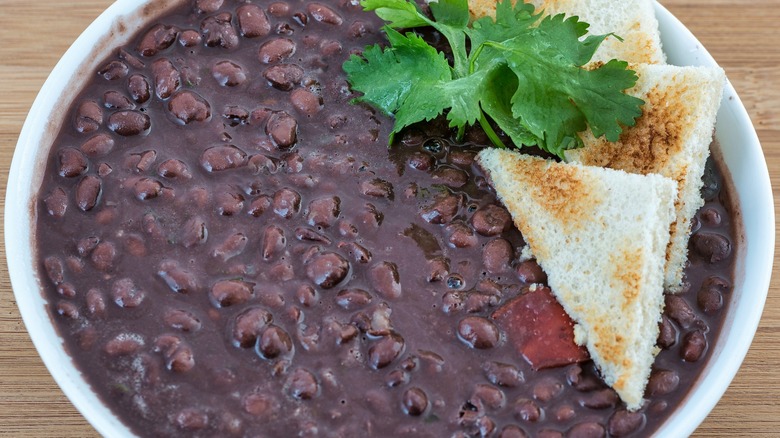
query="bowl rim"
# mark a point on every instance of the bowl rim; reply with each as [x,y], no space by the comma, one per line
[36,313]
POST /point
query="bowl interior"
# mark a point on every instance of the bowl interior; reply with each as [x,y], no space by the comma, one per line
[740,150]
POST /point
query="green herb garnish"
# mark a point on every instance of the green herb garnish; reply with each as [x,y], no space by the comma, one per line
[524,72]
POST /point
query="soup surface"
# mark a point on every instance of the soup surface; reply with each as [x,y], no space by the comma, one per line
[230,248]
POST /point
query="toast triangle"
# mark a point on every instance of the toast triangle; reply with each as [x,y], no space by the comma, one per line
[600,235]
[671,138]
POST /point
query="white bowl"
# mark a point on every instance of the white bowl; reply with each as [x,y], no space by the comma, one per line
[740,151]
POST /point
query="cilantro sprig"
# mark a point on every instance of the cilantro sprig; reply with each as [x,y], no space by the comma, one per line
[524,72]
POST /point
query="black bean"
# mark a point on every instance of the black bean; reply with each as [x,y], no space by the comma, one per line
[711,246]
[324,211]
[116,100]
[587,430]
[694,345]
[126,294]
[497,255]
[88,192]
[194,232]
[228,74]
[157,39]
[503,374]
[129,123]
[67,310]
[177,278]
[229,202]
[624,423]
[249,325]
[324,14]
[306,102]
[283,129]
[99,144]
[226,293]
[358,28]
[414,401]
[286,203]
[260,205]
[174,169]
[89,117]
[512,431]
[601,399]
[66,289]
[219,158]
[353,299]
[167,78]
[385,279]
[710,299]
[478,332]
[450,176]
[421,161]
[662,382]
[385,350]
[96,303]
[124,344]
[276,50]
[443,210]
[182,320]
[438,269]
[679,310]
[72,162]
[477,302]
[397,378]
[460,235]
[191,419]
[55,270]
[667,333]
[252,21]
[330,47]
[527,410]
[279,9]
[188,107]
[491,220]
[114,70]
[147,188]
[489,396]
[284,76]
[207,6]
[104,256]
[218,31]
[302,384]
[231,247]
[274,242]
[710,181]
[327,269]
[547,389]
[371,217]
[190,38]
[274,342]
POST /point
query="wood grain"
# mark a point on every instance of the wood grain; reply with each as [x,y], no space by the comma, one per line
[33,35]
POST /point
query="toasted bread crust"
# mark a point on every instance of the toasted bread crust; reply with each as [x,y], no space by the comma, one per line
[600,235]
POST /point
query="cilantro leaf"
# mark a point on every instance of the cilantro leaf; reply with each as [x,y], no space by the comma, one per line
[399,14]
[409,62]
[527,74]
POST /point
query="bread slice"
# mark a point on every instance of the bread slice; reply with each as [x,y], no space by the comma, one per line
[600,235]
[671,138]
[632,20]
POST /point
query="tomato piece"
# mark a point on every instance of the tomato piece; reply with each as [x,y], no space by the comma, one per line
[540,330]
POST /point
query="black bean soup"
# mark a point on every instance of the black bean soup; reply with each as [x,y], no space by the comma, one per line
[231,249]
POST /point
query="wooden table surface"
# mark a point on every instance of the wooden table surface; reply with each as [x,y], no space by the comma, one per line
[740,34]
